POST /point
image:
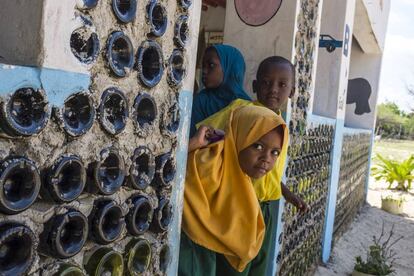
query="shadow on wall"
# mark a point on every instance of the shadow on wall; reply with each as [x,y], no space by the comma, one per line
[359,91]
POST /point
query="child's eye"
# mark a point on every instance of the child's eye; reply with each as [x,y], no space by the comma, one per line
[258,146]
[275,153]
[211,65]
[283,84]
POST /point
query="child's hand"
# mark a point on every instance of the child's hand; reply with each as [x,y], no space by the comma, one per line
[204,136]
[215,135]
[294,199]
[299,204]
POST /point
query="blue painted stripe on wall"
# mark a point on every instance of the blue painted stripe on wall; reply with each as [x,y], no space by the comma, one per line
[316,119]
[58,84]
[273,266]
[15,77]
[185,102]
[332,191]
[348,130]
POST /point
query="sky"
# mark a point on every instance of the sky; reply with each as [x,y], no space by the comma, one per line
[398,61]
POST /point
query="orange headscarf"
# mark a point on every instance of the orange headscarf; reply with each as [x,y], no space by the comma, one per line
[221,210]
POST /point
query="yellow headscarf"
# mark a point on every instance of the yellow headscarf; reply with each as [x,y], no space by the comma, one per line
[221,210]
[268,187]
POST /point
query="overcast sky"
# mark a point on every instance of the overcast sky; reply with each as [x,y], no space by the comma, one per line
[398,61]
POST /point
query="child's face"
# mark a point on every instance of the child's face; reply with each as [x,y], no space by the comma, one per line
[274,85]
[260,157]
[212,75]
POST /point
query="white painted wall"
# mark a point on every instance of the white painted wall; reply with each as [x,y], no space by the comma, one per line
[378,11]
[59,21]
[45,26]
[194,23]
[371,24]
[333,68]
[365,66]
[276,37]
[213,19]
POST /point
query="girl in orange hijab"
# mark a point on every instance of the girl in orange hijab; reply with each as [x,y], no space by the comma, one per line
[221,211]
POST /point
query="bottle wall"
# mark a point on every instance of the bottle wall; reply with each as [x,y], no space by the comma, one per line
[352,179]
[89,185]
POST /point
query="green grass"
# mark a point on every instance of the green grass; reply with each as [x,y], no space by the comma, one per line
[395,149]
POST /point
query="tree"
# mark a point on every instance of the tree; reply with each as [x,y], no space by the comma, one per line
[394,122]
[390,120]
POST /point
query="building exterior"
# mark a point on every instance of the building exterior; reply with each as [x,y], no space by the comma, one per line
[95,107]
[337,48]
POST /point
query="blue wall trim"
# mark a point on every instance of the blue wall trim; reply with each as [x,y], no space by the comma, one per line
[316,119]
[185,102]
[348,130]
[332,191]
[58,84]
[280,205]
[15,77]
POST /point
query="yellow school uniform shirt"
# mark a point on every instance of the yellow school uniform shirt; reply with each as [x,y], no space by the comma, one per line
[268,187]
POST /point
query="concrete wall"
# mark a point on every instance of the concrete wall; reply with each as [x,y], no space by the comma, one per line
[12,50]
[330,94]
[370,25]
[46,27]
[59,21]
[185,101]
[378,12]
[371,18]
[213,19]
[333,68]
[368,67]
[37,33]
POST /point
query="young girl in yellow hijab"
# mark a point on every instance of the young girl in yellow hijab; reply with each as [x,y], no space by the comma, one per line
[221,210]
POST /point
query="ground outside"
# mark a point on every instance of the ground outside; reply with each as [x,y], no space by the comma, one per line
[359,235]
